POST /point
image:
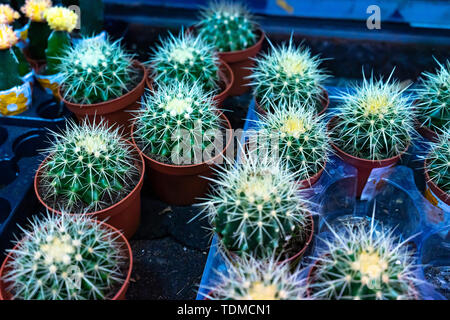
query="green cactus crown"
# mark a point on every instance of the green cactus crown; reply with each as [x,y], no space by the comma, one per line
[177,123]
[66,257]
[438,162]
[186,58]
[433,98]
[96,70]
[289,73]
[376,120]
[228,26]
[90,167]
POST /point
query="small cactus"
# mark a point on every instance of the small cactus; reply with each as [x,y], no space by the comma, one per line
[90,167]
[375,120]
[228,26]
[38,31]
[186,58]
[289,73]
[433,99]
[438,162]
[95,70]
[66,257]
[173,113]
[363,262]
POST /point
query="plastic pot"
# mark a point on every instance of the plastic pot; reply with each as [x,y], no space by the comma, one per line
[124,215]
[120,295]
[181,185]
[35,64]
[433,193]
[308,183]
[117,111]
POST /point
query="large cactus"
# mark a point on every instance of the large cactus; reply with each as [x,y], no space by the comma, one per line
[438,162]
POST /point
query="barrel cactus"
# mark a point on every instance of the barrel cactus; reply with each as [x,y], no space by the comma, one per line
[66,257]
[90,167]
[228,26]
[256,208]
[38,31]
[95,70]
[438,162]
[376,120]
[363,262]
[7,14]
[177,123]
[289,73]
[186,58]
[433,99]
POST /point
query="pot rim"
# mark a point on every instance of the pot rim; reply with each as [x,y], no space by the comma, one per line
[443,196]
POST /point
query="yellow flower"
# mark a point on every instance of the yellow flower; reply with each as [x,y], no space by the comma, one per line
[34,9]
[61,19]
[8,37]
[11,103]
[50,87]
[7,14]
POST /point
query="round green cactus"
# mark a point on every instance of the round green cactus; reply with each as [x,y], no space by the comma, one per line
[228,26]
[289,73]
[186,58]
[376,120]
[433,99]
[438,162]
[177,123]
[95,70]
[66,257]
[90,167]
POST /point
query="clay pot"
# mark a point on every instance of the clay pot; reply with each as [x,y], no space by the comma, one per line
[117,111]
[124,215]
[181,185]
[438,192]
[308,183]
[120,295]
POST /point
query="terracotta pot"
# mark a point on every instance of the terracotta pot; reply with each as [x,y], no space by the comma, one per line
[425,132]
[364,166]
[438,192]
[308,183]
[181,185]
[124,215]
[35,64]
[117,111]
[120,295]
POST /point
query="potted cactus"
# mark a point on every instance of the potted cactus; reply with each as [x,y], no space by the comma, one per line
[231,29]
[65,257]
[190,59]
[176,130]
[15,87]
[289,73]
[374,127]
[293,133]
[101,81]
[433,102]
[362,262]
[256,208]
[91,169]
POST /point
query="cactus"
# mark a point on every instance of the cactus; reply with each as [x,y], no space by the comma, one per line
[438,162]
[173,113]
[7,14]
[433,96]
[186,58]
[293,133]
[90,167]
[95,70]
[39,31]
[66,257]
[252,279]
[363,262]
[376,120]
[256,208]
[288,73]
[227,26]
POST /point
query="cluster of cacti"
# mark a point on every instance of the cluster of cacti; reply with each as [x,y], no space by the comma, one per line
[66,257]
[95,70]
[186,58]
[247,278]
[90,167]
[438,162]
[228,26]
[376,120]
[177,123]
[363,262]
[295,135]
[256,208]
[289,74]
[433,99]
[7,14]
[38,31]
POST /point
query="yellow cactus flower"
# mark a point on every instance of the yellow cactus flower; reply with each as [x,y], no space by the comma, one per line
[34,9]
[8,37]
[8,14]
[61,19]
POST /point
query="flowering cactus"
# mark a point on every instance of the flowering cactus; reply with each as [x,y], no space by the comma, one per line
[7,14]
[39,31]
[438,162]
